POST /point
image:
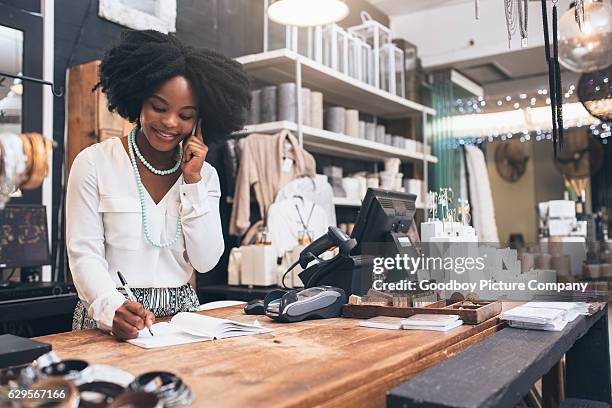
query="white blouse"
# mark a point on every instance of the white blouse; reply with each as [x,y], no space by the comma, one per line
[104,232]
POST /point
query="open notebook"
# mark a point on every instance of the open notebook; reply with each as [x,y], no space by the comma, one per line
[186,328]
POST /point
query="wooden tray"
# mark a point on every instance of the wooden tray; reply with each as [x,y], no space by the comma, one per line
[469,314]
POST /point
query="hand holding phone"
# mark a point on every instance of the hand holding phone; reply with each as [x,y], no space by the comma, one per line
[194,155]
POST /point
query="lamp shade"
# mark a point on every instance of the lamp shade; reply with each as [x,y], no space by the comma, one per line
[307,13]
[595,93]
[589,49]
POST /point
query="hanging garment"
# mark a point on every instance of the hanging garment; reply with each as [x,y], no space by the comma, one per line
[286,219]
[317,190]
[483,213]
[266,165]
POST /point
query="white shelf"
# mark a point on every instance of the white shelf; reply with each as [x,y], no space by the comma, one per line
[345,202]
[326,142]
[280,66]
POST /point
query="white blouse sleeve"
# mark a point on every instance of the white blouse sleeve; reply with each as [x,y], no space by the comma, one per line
[85,243]
[201,220]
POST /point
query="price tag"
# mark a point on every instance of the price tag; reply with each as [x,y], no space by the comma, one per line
[287,163]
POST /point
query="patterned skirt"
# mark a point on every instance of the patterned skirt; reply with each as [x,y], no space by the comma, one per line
[160,301]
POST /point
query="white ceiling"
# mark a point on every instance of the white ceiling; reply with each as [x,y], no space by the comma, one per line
[493,67]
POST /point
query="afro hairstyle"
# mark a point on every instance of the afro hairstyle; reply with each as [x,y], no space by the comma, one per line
[142,61]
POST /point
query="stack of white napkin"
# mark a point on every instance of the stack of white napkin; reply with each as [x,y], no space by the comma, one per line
[550,316]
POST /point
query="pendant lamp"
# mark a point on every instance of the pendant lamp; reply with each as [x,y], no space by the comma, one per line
[590,48]
[307,13]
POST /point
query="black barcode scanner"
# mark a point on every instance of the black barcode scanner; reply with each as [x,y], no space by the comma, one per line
[335,237]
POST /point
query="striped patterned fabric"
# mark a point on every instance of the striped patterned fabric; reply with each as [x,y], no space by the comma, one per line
[160,301]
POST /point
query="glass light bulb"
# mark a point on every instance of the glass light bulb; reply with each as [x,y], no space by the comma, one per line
[590,49]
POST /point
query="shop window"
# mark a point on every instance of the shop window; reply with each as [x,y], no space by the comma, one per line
[158,15]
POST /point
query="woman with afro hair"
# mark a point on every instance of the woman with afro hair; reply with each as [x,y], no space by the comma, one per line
[147,204]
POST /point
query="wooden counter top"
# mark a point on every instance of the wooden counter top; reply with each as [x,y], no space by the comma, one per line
[319,362]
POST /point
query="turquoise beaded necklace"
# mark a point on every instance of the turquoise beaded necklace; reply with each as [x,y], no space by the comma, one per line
[141,192]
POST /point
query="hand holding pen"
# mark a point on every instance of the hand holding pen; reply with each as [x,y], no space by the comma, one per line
[131,316]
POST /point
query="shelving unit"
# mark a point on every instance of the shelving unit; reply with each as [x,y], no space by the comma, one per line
[324,141]
[279,66]
[285,65]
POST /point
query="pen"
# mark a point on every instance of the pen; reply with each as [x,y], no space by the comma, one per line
[129,292]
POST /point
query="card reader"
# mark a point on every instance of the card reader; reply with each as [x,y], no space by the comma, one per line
[319,302]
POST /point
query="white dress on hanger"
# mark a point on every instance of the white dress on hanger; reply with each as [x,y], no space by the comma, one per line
[287,218]
[483,212]
[315,189]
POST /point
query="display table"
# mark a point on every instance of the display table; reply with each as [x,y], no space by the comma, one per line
[330,362]
[500,370]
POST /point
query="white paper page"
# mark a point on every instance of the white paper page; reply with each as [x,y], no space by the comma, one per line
[165,334]
[198,324]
